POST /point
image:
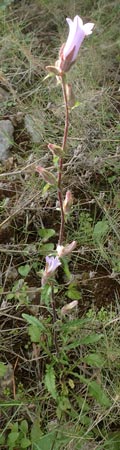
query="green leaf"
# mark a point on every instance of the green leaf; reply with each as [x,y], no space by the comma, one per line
[25,442]
[91,338]
[36,432]
[96,391]
[12,437]
[10,404]
[24,426]
[46,233]
[33,321]
[34,333]
[100,229]
[46,249]
[73,293]
[10,296]
[2,440]
[94,360]
[24,270]
[35,327]
[46,442]
[46,294]
[50,381]
[3,369]
[77,103]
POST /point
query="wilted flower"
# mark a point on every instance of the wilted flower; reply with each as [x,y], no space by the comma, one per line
[67,202]
[51,265]
[77,33]
[64,251]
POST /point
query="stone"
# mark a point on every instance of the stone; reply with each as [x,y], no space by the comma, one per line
[6,138]
[33,126]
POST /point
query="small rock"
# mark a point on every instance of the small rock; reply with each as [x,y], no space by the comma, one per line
[32,127]
[6,138]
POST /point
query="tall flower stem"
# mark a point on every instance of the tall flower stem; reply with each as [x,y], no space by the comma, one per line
[54,319]
[60,197]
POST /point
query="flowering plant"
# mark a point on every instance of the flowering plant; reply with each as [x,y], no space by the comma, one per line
[67,56]
[69,50]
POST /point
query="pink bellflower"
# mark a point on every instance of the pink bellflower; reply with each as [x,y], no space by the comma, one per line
[69,50]
[51,265]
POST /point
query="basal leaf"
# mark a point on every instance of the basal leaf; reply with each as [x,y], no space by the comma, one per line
[46,233]
[94,360]
[50,381]
[96,391]
[24,270]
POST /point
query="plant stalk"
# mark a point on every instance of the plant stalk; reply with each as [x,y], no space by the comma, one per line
[60,197]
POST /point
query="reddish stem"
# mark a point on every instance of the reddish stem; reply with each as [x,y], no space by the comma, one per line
[61,233]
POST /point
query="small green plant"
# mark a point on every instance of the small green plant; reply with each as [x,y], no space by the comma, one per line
[18,436]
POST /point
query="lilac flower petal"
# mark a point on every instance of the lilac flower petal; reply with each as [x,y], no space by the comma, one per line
[77,32]
[88,28]
[79,21]
[52,264]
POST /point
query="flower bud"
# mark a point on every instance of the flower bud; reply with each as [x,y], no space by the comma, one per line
[64,251]
[68,307]
[46,175]
[67,202]
[56,150]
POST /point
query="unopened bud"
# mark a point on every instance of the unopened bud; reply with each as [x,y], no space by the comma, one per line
[56,150]
[70,95]
[67,308]
[67,202]
[67,250]
[46,175]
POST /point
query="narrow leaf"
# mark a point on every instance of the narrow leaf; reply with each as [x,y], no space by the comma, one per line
[50,381]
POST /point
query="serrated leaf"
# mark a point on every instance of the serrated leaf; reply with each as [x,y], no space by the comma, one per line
[46,233]
[34,333]
[3,369]
[24,270]
[50,381]
[94,360]
[33,321]
[98,393]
